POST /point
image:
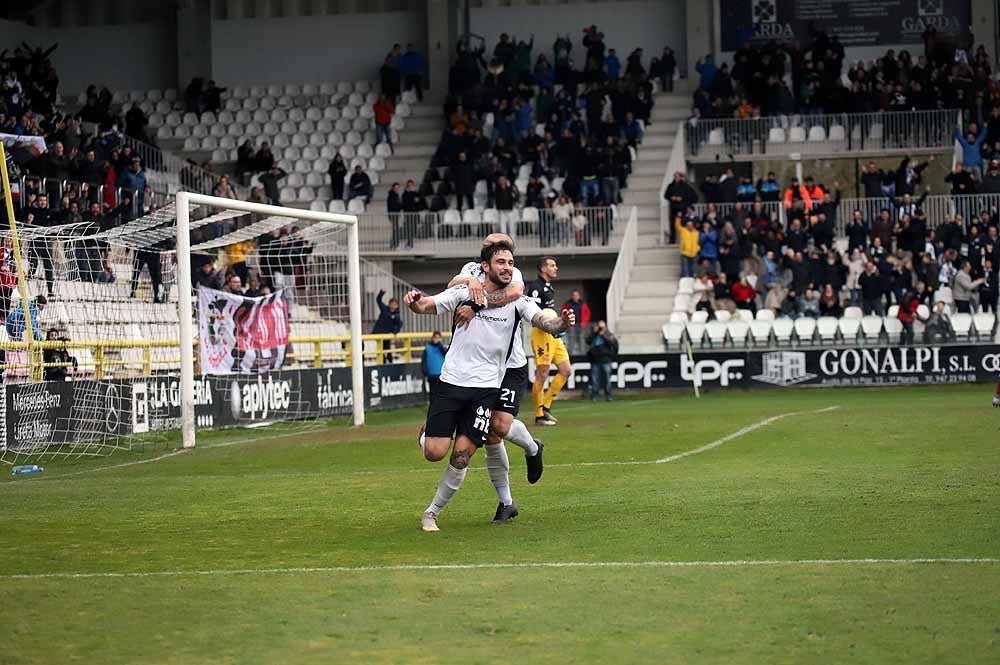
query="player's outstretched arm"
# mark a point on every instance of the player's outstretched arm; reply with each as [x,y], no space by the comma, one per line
[420,303]
[476,293]
[554,325]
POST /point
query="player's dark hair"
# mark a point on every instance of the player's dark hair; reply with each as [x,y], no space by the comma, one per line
[542,261]
[487,253]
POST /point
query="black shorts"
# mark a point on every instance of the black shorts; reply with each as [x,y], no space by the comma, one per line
[456,410]
[515,380]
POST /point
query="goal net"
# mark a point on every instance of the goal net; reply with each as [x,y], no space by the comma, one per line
[120,328]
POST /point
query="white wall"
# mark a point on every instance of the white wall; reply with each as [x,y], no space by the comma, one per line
[316,48]
[122,57]
[650,24]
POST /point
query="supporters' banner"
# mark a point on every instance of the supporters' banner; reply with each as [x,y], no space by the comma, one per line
[240,334]
[36,144]
[869,23]
[872,366]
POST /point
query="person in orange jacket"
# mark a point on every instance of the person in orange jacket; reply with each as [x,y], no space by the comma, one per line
[797,192]
[816,193]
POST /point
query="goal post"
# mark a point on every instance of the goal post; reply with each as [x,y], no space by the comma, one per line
[184,201]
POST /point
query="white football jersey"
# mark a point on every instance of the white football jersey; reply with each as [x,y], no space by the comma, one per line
[477,357]
[517,357]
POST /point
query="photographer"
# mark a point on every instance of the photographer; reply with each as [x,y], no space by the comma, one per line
[602,352]
[59,357]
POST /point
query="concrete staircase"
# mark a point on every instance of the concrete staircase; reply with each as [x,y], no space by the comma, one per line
[653,277]
[417,143]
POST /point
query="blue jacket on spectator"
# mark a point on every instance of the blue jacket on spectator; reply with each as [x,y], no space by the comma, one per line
[709,244]
[433,359]
[388,322]
[525,123]
[614,67]
[134,180]
[970,151]
[632,131]
[411,63]
[708,70]
[15,323]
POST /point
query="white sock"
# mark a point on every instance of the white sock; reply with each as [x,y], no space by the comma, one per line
[423,437]
[519,436]
[498,465]
[450,481]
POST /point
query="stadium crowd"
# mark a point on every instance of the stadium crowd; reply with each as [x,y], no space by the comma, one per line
[786,78]
[785,256]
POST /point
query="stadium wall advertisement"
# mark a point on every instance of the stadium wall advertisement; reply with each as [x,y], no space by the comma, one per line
[871,23]
[874,366]
[42,414]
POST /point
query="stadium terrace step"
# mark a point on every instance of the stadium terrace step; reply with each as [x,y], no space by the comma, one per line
[406,148]
[653,302]
[644,342]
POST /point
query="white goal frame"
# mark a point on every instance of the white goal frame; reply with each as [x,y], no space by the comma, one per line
[184,289]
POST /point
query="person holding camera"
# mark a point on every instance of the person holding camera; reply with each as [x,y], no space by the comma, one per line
[57,361]
[603,350]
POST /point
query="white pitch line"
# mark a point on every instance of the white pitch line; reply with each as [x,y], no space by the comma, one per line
[736,563]
[174,453]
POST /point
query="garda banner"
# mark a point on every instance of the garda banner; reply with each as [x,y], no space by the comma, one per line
[868,23]
[872,366]
[239,334]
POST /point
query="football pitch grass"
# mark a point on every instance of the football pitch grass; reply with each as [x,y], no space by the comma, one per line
[793,533]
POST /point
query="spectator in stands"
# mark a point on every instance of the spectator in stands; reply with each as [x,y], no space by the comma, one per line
[679,195]
[136,123]
[965,288]
[988,292]
[414,204]
[384,109]
[57,360]
[338,175]
[907,314]
[708,240]
[809,303]
[389,322]
[39,249]
[690,248]
[938,329]
[744,294]
[574,336]
[208,276]
[253,288]
[871,290]
[224,189]
[234,285]
[264,159]
[506,197]
[269,181]
[212,97]
[236,254]
[463,181]
[411,69]
[562,213]
[359,186]
[829,302]
[389,77]
[631,130]
[244,160]
[432,360]
[16,325]
[666,70]
[602,352]
[971,145]
[135,179]
[394,206]
[151,261]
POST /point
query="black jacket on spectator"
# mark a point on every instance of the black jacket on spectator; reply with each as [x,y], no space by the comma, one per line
[393,203]
[413,202]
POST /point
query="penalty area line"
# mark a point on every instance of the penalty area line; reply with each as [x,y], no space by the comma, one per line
[736,563]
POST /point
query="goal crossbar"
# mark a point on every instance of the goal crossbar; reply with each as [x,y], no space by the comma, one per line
[184,288]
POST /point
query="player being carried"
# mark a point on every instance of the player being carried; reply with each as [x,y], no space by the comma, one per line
[503,422]
[474,370]
[549,349]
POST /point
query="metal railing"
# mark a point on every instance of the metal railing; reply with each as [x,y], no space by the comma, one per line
[676,163]
[185,175]
[450,233]
[618,287]
[737,212]
[56,188]
[821,134]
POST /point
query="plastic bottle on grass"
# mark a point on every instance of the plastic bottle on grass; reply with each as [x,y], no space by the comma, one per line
[26,470]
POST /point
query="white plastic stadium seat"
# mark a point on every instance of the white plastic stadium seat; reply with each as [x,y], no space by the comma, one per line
[716,331]
[893,311]
[678,317]
[838,133]
[849,328]
[962,324]
[761,332]
[872,328]
[681,302]
[701,316]
[356,206]
[983,323]
[776,135]
[695,332]
[796,135]
[716,136]
[738,331]
[673,333]
[744,315]
[783,329]
[853,313]
[817,134]
[893,328]
[805,329]
[765,315]
[336,205]
[826,326]
[685,285]
[723,315]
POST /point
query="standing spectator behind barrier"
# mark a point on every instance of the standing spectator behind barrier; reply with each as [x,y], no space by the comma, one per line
[269,181]
[384,110]
[338,175]
[971,144]
[135,179]
[394,206]
[59,356]
[603,350]
[432,360]
[965,288]
[690,248]
[15,320]
[679,194]
[411,68]
[414,205]
[389,322]
[575,335]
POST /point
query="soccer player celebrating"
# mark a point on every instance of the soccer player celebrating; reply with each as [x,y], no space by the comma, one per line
[549,349]
[473,370]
